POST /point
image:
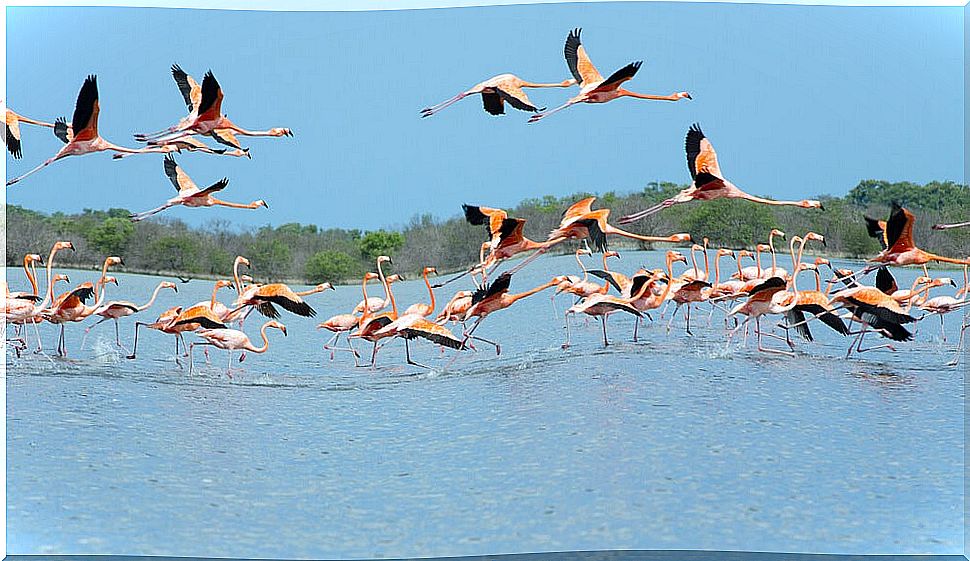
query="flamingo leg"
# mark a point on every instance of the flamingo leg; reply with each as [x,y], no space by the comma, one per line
[539,116]
[407,354]
[43,165]
[761,347]
[429,111]
[630,218]
[606,341]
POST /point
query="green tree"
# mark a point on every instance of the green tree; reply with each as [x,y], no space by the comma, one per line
[112,235]
[270,257]
[729,223]
[176,253]
[330,265]
[380,242]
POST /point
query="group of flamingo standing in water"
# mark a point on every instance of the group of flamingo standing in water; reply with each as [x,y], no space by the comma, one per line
[754,292]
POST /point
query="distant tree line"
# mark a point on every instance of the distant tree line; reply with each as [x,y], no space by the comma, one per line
[314,254]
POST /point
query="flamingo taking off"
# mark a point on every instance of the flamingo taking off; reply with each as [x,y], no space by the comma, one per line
[117,309]
[708,182]
[206,117]
[595,89]
[900,247]
[84,137]
[189,193]
[11,131]
[496,92]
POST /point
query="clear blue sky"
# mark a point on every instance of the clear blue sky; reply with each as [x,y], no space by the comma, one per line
[798,100]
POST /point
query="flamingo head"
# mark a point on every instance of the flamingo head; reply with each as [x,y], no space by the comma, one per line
[815,237]
[33,258]
[240,260]
[430,270]
[763,247]
[222,283]
[680,238]
[811,204]
[324,286]
[111,280]
[371,276]
[260,203]
[682,95]
[395,277]
[821,261]
[776,232]
[280,132]
[567,83]
[384,259]
[276,325]
[611,254]
[63,245]
[167,284]
[725,251]
[60,277]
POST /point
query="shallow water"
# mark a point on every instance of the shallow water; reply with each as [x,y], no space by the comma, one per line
[671,443]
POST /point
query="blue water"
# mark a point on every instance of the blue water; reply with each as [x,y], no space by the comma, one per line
[671,443]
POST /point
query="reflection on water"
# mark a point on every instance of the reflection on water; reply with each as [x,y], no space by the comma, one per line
[671,442]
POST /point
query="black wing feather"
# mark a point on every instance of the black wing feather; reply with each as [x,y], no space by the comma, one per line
[625,73]
[608,277]
[493,103]
[875,230]
[516,102]
[84,108]
[13,143]
[60,130]
[885,281]
[895,224]
[267,309]
[498,286]
[827,317]
[772,283]
[474,215]
[298,308]
[692,145]
[797,316]
[570,51]
[182,80]
[210,91]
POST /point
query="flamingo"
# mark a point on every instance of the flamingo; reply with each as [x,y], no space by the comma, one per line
[950,226]
[775,270]
[708,182]
[11,131]
[580,221]
[584,287]
[189,193]
[410,326]
[344,323]
[876,310]
[901,250]
[602,305]
[85,138]
[234,340]
[206,117]
[192,144]
[595,89]
[455,309]
[422,309]
[695,273]
[117,309]
[751,272]
[942,305]
[29,260]
[370,324]
[494,297]
[815,301]
[262,297]
[498,90]
[70,307]
[651,300]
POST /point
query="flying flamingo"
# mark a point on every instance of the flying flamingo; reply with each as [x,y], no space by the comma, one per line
[206,117]
[192,144]
[580,222]
[874,310]
[494,297]
[11,131]
[117,309]
[593,88]
[708,182]
[422,309]
[950,226]
[901,249]
[498,90]
[85,139]
[234,340]
[189,193]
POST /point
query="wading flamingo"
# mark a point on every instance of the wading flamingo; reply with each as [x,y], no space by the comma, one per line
[164,324]
[344,323]
[69,307]
[190,195]
[11,131]
[411,326]
[422,309]
[455,309]
[26,311]
[206,117]
[593,88]
[707,181]
[85,139]
[117,309]
[602,305]
[234,340]
[370,324]
[498,90]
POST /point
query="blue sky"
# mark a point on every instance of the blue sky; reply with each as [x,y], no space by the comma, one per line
[798,100]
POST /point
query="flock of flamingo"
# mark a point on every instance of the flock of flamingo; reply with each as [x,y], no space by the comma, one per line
[841,302]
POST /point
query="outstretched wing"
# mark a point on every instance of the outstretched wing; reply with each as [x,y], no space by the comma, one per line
[621,75]
[492,102]
[432,332]
[899,228]
[182,182]
[11,135]
[210,103]
[498,286]
[85,121]
[516,97]
[226,137]
[579,64]
[188,87]
[215,187]
[62,130]
[701,158]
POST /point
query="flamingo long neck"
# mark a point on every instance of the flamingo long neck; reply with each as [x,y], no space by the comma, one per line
[31,278]
[670,279]
[262,333]
[50,286]
[104,271]
[707,271]
[513,298]
[737,260]
[152,299]
[693,260]
[430,290]
[583,267]
[966,284]
[818,280]
[235,277]
[943,259]
[771,247]
[717,268]
[366,315]
[757,258]
[220,202]
[628,93]
[215,292]
[388,295]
